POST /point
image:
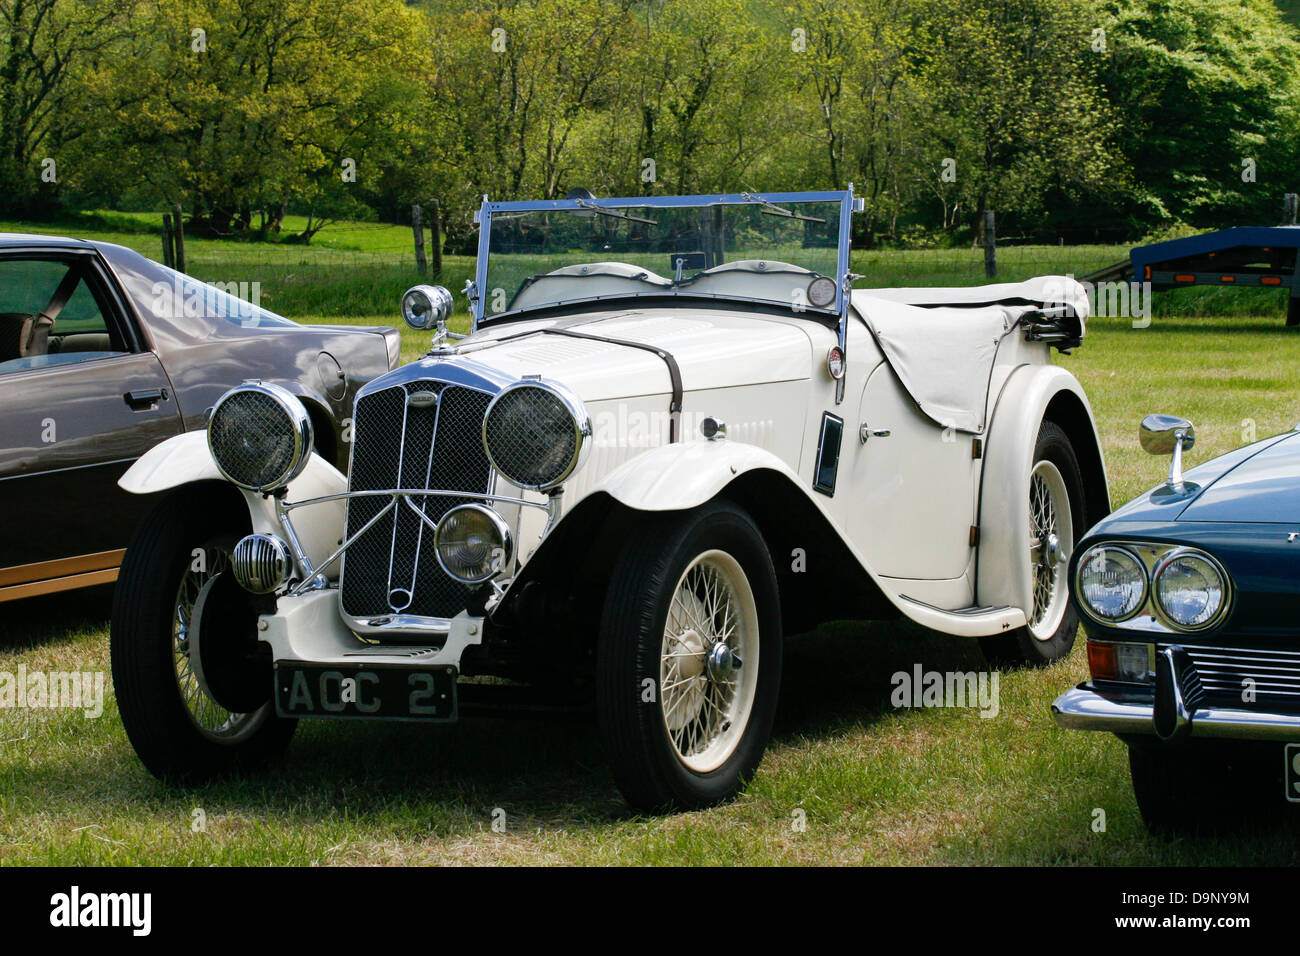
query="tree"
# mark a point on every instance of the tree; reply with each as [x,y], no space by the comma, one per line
[1208,91]
[43,43]
[1008,95]
[239,107]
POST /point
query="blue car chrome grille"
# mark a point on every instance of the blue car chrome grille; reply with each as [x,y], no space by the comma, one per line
[1220,674]
[392,568]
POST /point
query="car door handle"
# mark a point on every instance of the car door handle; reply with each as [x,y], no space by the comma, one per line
[142,398]
[866,432]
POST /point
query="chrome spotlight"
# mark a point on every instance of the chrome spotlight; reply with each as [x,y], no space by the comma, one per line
[426,306]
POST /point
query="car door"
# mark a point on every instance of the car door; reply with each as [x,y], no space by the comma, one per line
[74,415]
[918,484]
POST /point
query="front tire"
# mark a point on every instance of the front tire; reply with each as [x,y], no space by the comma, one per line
[688,659]
[1057,519]
[1204,787]
[177,558]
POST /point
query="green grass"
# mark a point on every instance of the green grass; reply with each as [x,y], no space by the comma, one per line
[876,785]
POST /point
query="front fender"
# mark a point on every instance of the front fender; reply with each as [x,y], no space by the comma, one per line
[686,474]
[1003,573]
[185,459]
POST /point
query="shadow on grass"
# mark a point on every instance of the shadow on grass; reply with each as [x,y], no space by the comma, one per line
[413,783]
[550,771]
[54,618]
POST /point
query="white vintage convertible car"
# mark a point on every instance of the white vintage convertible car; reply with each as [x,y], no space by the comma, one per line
[676,434]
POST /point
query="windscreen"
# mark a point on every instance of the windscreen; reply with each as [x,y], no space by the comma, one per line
[753,250]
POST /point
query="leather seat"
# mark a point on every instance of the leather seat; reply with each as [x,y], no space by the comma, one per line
[22,335]
[81,342]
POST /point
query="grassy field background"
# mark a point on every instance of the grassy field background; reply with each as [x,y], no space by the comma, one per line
[874,784]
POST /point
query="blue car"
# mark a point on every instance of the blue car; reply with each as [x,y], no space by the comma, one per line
[1190,599]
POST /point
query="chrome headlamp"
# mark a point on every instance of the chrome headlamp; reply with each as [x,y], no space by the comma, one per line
[1111,583]
[473,543]
[1191,589]
[536,433]
[260,436]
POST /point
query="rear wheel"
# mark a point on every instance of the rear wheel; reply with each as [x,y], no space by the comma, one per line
[689,659]
[1056,521]
[193,684]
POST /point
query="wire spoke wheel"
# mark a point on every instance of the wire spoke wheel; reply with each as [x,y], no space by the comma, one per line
[1051,530]
[213,721]
[709,661]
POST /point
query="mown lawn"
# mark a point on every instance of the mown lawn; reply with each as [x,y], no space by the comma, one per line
[874,784]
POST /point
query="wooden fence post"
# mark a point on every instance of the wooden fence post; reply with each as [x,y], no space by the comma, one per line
[417,227]
[990,245]
[178,236]
[168,256]
[435,237]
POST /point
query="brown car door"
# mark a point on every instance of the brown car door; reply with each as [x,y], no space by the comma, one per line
[72,419]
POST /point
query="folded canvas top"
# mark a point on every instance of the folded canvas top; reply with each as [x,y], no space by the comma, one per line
[942,343]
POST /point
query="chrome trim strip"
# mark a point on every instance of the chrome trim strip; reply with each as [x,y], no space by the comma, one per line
[449,370]
[415,493]
[401,462]
[1082,708]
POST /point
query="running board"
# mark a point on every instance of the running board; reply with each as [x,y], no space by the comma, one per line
[971,621]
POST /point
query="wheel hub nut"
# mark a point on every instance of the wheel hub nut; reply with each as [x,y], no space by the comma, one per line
[722,661]
[1051,550]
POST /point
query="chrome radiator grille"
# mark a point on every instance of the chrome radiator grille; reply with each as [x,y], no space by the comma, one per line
[1219,674]
[392,568]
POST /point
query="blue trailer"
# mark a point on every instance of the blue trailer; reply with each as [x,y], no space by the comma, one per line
[1262,256]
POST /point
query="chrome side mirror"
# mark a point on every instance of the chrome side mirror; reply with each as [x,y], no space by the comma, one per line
[1168,435]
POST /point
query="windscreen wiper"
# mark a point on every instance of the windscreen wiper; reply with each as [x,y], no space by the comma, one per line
[614,213]
[771,209]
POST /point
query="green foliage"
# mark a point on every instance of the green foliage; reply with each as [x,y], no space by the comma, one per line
[1089,119]
[239,106]
[1209,92]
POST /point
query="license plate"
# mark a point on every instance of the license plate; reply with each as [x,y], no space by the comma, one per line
[365,693]
[1293,772]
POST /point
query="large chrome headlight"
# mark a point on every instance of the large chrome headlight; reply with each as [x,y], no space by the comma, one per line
[473,543]
[536,433]
[1111,583]
[1191,589]
[260,436]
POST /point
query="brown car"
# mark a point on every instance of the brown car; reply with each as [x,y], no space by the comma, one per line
[103,354]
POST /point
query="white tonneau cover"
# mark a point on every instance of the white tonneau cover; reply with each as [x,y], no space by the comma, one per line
[942,342]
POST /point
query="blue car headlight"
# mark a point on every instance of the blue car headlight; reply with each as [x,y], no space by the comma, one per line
[1191,589]
[1111,583]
